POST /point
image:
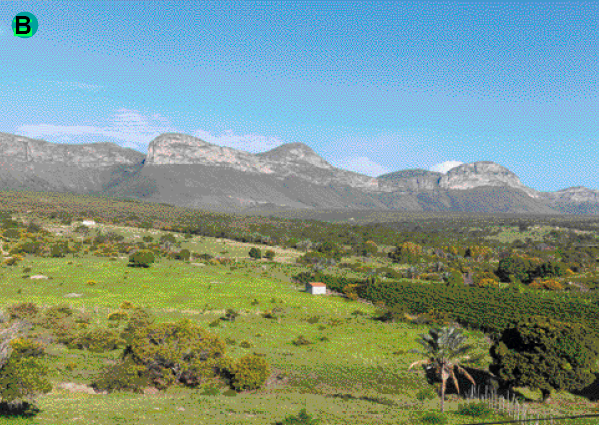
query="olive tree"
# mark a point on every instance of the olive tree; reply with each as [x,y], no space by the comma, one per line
[546,354]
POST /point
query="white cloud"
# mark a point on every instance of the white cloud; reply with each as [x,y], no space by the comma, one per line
[126,127]
[444,167]
[249,142]
[362,165]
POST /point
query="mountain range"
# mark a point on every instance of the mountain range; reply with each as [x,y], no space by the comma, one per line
[186,171]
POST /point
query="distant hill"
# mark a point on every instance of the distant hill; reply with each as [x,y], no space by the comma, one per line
[186,171]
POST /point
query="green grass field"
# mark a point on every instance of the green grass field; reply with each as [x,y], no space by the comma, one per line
[356,376]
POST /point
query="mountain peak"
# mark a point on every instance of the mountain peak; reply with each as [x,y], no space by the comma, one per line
[480,173]
[294,152]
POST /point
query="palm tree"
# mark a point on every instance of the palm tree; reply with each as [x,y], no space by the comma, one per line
[443,347]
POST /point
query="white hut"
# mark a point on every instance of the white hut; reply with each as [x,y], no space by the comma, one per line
[316,288]
[89,223]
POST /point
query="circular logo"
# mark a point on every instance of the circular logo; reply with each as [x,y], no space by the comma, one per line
[24,25]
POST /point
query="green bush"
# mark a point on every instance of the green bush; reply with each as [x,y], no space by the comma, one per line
[176,352]
[138,319]
[245,344]
[433,418]
[303,418]
[300,340]
[476,410]
[26,310]
[24,374]
[142,258]
[211,391]
[183,255]
[269,254]
[313,319]
[255,253]
[123,376]
[118,315]
[96,340]
[249,372]
[426,394]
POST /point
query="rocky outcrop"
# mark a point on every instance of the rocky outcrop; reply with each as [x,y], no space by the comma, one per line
[574,194]
[21,149]
[412,180]
[482,173]
[289,160]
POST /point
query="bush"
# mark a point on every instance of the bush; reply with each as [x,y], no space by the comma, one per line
[300,340]
[183,255]
[23,375]
[303,418]
[25,310]
[476,410]
[123,376]
[249,372]
[96,340]
[138,319]
[269,254]
[426,394]
[313,319]
[118,315]
[433,418]
[127,305]
[255,253]
[142,258]
[245,344]
[176,352]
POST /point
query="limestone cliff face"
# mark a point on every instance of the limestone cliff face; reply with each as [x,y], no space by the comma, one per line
[482,173]
[289,160]
[21,149]
[175,148]
[575,194]
[412,180]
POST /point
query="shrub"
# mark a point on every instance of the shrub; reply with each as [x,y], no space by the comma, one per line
[26,310]
[255,253]
[245,344]
[118,315]
[249,372]
[96,340]
[13,261]
[433,418]
[91,282]
[300,340]
[303,418]
[214,323]
[476,410]
[23,375]
[313,319]
[176,352]
[183,255]
[230,315]
[142,258]
[211,391]
[269,254]
[127,305]
[426,394]
[123,376]
[138,319]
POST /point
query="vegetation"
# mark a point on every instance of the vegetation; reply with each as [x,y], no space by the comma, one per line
[546,354]
[483,273]
[443,347]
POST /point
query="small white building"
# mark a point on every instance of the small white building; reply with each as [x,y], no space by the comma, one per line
[316,288]
[89,223]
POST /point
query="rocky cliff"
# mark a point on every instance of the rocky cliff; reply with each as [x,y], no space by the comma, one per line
[294,160]
[25,150]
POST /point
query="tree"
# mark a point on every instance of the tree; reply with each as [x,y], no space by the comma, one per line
[255,253]
[176,352]
[141,259]
[22,374]
[269,255]
[443,348]
[543,353]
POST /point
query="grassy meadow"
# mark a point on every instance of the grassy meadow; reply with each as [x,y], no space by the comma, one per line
[354,370]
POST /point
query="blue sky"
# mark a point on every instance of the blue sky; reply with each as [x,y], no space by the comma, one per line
[370,86]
